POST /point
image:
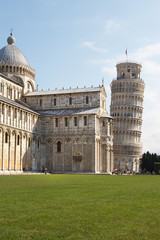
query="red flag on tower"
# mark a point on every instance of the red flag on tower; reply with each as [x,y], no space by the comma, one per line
[126,52]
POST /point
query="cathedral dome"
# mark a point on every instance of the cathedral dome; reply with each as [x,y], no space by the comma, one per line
[12,54]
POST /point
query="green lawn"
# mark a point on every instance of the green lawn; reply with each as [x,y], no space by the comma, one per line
[79,207]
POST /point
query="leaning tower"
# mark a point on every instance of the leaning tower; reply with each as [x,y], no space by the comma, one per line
[127,92]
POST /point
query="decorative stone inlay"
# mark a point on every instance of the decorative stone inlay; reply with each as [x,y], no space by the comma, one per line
[77,156]
[49,141]
[68,140]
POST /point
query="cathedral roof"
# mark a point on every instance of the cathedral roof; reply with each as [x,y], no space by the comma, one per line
[65,91]
[66,112]
[70,112]
[12,54]
[9,101]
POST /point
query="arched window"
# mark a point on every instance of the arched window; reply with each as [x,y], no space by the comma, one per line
[59,145]
[15,94]
[70,101]
[85,120]
[56,122]
[109,129]
[87,99]
[15,113]
[6,137]
[75,121]
[29,142]
[65,122]
[2,108]
[10,92]
[18,140]
[28,85]
[133,75]
[9,111]
[1,87]
[40,102]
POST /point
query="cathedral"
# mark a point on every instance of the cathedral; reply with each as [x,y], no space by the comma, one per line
[61,131]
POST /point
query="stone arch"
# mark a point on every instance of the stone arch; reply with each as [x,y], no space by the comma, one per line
[49,140]
[49,154]
[77,160]
[2,87]
[77,153]
[10,69]
[29,141]
[2,129]
[13,150]
[5,89]
[1,147]
[10,91]
[59,146]
[18,93]
[68,140]
[24,153]
[29,151]
[78,140]
[18,149]
[29,86]
[6,149]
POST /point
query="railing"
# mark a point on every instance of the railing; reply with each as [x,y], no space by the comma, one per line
[115,79]
[128,61]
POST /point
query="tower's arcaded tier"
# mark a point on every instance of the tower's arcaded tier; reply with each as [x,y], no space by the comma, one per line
[127,92]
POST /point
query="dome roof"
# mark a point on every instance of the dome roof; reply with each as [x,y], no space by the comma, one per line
[12,54]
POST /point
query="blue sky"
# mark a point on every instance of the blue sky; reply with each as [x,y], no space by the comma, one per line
[77,42]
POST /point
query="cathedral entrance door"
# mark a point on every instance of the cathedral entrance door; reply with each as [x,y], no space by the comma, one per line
[78,166]
[77,158]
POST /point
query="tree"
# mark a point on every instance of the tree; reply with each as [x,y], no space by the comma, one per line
[148,161]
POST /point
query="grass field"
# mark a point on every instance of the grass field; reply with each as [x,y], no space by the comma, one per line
[79,207]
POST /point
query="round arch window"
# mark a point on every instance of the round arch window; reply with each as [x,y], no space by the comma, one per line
[29,86]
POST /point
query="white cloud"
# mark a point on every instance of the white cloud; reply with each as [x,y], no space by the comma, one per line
[147,51]
[150,95]
[92,46]
[101,62]
[151,130]
[110,70]
[111,26]
[152,68]
[148,40]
